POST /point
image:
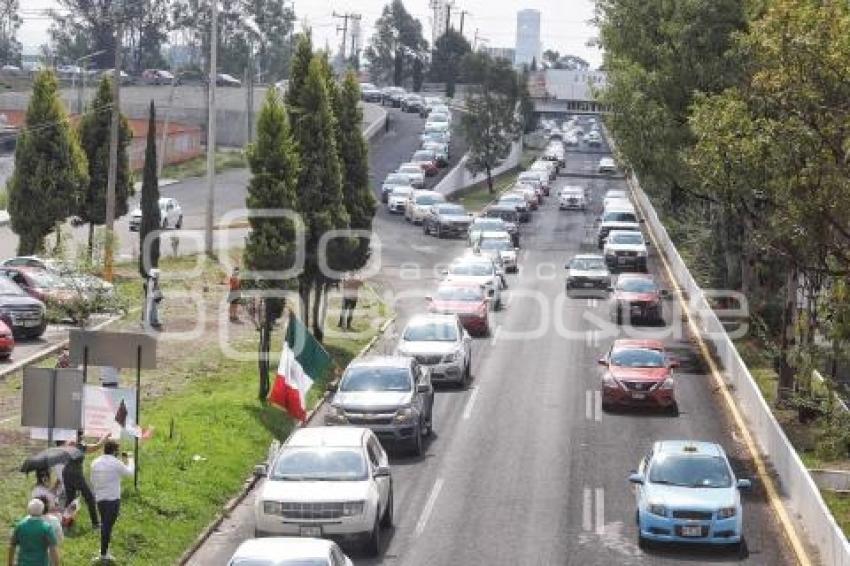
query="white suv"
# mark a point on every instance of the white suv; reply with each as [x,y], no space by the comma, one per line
[170,215]
[332,482]
[419,205]
[440,343]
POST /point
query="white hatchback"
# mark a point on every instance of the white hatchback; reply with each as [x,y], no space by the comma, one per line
[289,551]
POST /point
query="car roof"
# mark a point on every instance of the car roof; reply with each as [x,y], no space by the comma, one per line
[423,318]
[643,276]
[424,192]
[277,548]
[455,281]
[341,436]
[589,256]
[695,447]
[635,343]
[381,361]
[618,232]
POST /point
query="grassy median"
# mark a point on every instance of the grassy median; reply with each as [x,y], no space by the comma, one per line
[209,428]
[197,166]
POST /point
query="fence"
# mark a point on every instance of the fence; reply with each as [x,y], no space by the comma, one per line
[460,177]
[800,493]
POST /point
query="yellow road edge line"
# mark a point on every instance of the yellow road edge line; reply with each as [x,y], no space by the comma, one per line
[761,468]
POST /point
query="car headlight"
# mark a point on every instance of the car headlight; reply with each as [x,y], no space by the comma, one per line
[352,508]
[641,253]
[272,507]
[727,512]
[450,357]
[657,509]
[403,415]
[609,381]
[667,384]
[336,414]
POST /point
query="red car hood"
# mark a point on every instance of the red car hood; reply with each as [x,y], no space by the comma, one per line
[639,374]
[637,297]
[457,307]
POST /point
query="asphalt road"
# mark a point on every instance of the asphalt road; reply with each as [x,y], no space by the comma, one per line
[524,468]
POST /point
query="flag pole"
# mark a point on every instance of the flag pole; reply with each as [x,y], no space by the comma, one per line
[138,412]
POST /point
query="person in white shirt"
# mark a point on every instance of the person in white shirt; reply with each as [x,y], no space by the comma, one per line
[106,474]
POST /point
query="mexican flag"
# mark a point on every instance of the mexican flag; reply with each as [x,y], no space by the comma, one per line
[302,361]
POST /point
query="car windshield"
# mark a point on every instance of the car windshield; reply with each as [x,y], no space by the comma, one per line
[280,562]
[509,215]
[369,378]
[476,269]
[436,117]
[690,471]
[429,199]
[402,191]
[588,264]
[451,209]
[618,216]
[397,179]
[638,358]
[632,239]
[510,199]
[458,293]
[431,332]
[414,169]
[320,464]
[495,244]
[636,285]
[7,288]
[424,155]
[494,224]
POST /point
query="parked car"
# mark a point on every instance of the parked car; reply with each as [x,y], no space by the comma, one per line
[412,103]
[170,214]
[414,172]
[35,262]
[625,249]
[478,271]
[22,313]
[440,343]
[466,299]
[419,205]
[390,182]
[332,482]
[508,215]
[158,77]
[446,219]
[607,165]
[588,272]
[441,151]
[549,167]
[616,200]
[125,78]
[516,202]
[686,492]
[391,395]
[621,218]
[499,247]
[528,193]
[7,341]
[536,179]
[39,284]
[370,93]
[427,160]
[289,551]
[638,373]
[440,129]
[638,297]
[223,79]
[397,201]
[593,139]
[439,136]
[571,198]
[391,96]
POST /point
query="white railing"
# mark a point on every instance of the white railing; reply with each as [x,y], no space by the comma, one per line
[799,491]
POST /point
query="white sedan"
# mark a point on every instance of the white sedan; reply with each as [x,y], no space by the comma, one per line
[419,205]
[607,165]
[289,551]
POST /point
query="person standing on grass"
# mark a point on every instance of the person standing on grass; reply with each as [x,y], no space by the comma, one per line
[74,479]
[153,296]
[33,542]
[350,289]
[235,285]
[106,474]
[53,519]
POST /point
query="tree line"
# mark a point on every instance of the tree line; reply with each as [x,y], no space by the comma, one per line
[734,115]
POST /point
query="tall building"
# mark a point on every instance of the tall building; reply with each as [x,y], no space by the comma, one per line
[441,10]
[527,37]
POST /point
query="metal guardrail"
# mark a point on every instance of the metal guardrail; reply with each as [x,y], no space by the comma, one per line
[799,491]
[816,375]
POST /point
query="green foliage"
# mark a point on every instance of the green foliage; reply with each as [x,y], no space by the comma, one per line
[94,133]
[274,169]
[50,168]
[449,51]
[151,221]
[10,20]
[395,45]
[298,76]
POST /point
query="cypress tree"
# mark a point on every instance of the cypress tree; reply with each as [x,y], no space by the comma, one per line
[94,130]
[50,168]
[354,159]
[150,202]
[319,183]
[298,75]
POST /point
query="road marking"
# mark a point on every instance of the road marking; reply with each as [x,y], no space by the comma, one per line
[597,397]
[588,405]
[495,333]
[593,405]
[591,338]
[592,303]
[761,468]
[470,403]
[587,510]
[429,506]
[600,511]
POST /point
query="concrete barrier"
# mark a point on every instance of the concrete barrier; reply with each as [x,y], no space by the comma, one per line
[460,177]
[799,492]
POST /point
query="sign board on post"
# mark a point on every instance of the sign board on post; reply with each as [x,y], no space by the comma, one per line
[52,398]
[117,349]
[102,405]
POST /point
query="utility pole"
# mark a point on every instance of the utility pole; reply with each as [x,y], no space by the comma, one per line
[462,14]
[344,29]
[208,225]
[112,173]
[249,106]
[448,16]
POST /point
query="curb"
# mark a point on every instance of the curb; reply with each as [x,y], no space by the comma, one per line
[252,480]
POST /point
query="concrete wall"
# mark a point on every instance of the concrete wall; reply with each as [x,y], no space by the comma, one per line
[460,177]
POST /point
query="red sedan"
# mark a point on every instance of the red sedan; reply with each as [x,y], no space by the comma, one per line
[468,301]
[638,373]
[427,160]
[40,284]
[637,296]
[7,341]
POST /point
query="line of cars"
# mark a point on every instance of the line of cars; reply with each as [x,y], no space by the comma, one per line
[685,491]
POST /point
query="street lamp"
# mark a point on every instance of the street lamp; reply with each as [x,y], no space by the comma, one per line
[82,72]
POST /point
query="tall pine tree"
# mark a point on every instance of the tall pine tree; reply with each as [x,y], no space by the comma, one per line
[298,76]
[50,168]
[271,242]
[354,158]
[149,254]
[319,185]
[94,131]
